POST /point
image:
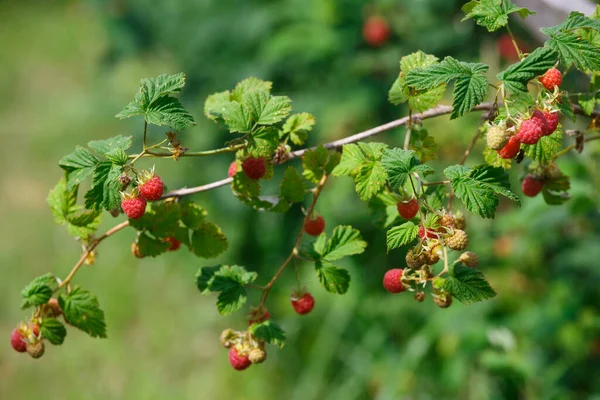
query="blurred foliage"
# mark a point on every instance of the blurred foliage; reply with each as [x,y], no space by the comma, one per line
[69,66]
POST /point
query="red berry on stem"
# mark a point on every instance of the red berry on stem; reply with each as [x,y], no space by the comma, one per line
[552,118]
[175,244]
[551,78]
[134,207]
[392,281]
[316,226]
[511,149]
[430,233]
[531,186]
[232,169]
[17,342]
[408,209]
[530,132]
[254,168]
[152,189]
[238,361]
[260,319]
[304,304]
[540,119]
[376,31]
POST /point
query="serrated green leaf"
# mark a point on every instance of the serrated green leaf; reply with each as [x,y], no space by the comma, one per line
[229,281]
[517,76]
[82,310]
[65,210]
[53,330]
[270,332]
[575,20]
[362,161]
[401,235]
[263,143]
[293,188]
[192,215]
[344,241]
[470,86]
[169,111]
[236,117]
[214,104]
[399,164]
[105,191]
[468,285]
[107,145]
[314,163]
[117,156]
[370,179]
[266,109]
[79,165]
[478,188]
[493,158]
[333,279]
[297,127]
[545,149]
[150,246]
[209,241]
[161,220]
[573,49]
[422,144]
[231,300]
[384,211]
[250,84]
[587,102]
[492,14]
[38,291]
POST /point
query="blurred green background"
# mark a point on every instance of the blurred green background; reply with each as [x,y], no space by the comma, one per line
[68,66]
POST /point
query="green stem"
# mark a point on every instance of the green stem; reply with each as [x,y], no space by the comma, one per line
[145,131]
[222,150]
[514,42]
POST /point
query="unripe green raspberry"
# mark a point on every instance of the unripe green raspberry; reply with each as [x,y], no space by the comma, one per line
[458,241]
[469,258]
[497,137]
[257,355]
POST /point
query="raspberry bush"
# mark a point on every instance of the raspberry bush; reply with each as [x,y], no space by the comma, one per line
[521,126]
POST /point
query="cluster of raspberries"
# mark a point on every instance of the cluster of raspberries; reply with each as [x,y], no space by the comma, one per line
[542,122]
[150,188]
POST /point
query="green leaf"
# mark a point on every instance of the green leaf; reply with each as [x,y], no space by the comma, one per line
[545,149]
[333,279]
[422,144]
[161,220]
[517,76]
[79,165]
[297,127]
[150,246]
[270,332]
[237,117]
[384,209]
[468,285]
[401,235]
[492,14]
[314,163]
[38,291]
[153,101]
[215,103]
[107,145]
[478,188]
[105,191]
[65,210]
[266,109]
[117,156]
[417,100]
[263,143]
[209,241]
[470,86]
[250,84]
[575,20]
[575,50]
[53,330]
[293,188]
[82,310]
[493,158]
[344,241]
[555,190]
[229,281]
[399,163]
[370,180]
[192,215]
[362,161]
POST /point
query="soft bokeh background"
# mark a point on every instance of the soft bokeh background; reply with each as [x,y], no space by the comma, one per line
[66,67]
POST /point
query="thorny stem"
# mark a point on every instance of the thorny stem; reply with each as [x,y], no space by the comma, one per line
[91,248]
[294,253]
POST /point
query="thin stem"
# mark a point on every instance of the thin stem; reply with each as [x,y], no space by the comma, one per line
[445,261]
[434,183]
[294,253]
[408,130]
[514,42]
[145,131]
[91,248]
[222,150]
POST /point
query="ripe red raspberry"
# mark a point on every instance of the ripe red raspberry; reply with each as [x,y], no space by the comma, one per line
[314,227]
[430,233]
[551,78]
[152,189]
[232,169]
[175,244]
[552,118]
[134,207]
[530,132]
[303,305]
[254,168]
[238,361]
[540,119]
[392,281]
[531,186]
[376,31]
[511,149]
[17,342]
[408,209]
